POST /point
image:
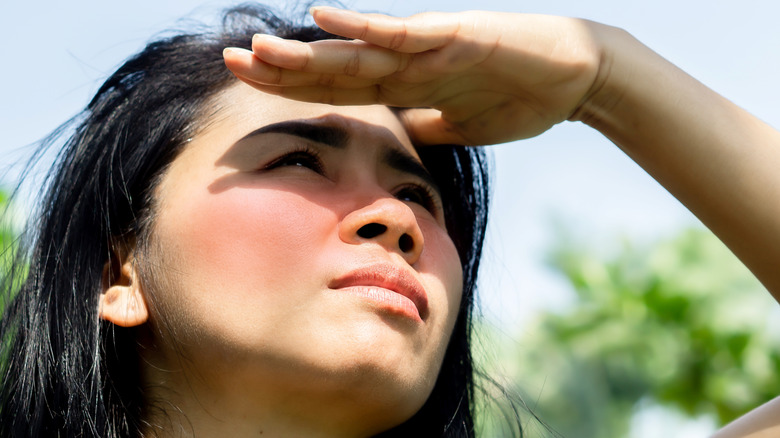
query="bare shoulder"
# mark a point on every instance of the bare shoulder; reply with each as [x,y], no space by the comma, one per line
[762,422]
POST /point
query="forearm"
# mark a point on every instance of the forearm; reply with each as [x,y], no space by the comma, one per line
[717,159]
[760,423]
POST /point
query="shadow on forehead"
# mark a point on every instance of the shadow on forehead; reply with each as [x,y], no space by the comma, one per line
[332,131]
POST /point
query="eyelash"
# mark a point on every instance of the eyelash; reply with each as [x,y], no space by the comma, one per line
[304,156]
[426,196]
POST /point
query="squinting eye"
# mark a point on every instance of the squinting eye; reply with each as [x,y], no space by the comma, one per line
[419,195]
[303,158]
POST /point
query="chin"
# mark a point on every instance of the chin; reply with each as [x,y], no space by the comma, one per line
[376,364]
[389,374]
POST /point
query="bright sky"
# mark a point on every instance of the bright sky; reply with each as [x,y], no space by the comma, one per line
[57,53]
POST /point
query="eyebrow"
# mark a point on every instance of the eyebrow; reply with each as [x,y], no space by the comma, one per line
[402,161]
[338,137]
[334,136]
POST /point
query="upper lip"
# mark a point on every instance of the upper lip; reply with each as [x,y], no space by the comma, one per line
[387,276]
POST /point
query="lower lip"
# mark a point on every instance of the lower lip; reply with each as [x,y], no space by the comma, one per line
[387,300]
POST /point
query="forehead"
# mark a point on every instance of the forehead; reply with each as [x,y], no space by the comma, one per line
[241,109]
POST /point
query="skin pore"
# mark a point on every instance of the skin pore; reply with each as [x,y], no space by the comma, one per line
[280,312]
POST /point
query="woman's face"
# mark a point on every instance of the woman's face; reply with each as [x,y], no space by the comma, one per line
[303,248]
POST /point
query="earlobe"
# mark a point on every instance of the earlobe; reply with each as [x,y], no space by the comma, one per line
[122,302]
[123,306]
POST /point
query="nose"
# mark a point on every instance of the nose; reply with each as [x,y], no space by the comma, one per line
[387,222]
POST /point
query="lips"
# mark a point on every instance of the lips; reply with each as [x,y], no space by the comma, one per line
[372,280]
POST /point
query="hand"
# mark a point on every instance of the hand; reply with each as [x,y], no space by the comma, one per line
[475,77]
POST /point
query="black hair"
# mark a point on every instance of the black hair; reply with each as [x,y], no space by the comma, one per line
[66,372]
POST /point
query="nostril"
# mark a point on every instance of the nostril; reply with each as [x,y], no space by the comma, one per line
[369,231]
[405,243]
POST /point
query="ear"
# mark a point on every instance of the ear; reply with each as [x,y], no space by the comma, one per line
[122,301]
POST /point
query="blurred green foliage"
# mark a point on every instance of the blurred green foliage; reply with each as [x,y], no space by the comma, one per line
[680,323]
[6,233]
[8,239]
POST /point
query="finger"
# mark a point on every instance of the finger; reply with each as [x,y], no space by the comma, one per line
[350,58]
[414,34]
[249,68]
[324,88]
[326,95]
[427,127]
[342,96]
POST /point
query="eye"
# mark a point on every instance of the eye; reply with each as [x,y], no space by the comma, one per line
[307,158]
[419,194]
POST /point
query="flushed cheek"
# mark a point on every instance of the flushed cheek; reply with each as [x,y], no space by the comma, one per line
[263,236]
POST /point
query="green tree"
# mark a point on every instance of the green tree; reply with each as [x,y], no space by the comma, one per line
[681,323]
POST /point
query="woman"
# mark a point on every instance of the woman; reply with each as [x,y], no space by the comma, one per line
[286,292]
[299,270]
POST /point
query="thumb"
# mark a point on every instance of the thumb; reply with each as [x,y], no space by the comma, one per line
[426,126]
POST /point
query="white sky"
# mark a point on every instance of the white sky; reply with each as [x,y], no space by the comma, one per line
[57,53]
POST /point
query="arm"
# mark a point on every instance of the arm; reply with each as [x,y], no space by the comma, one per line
[762,422]
[717,159]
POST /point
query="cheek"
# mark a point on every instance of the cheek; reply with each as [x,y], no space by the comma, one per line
[440,263]
[263,236]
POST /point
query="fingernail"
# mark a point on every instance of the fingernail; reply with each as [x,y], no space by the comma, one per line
[264,36]
[237,51]
[314,9]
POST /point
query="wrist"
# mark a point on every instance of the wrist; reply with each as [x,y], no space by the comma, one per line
[610,85]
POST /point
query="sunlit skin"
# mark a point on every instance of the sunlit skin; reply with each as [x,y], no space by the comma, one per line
[250,246]
[485,78]
[480,78]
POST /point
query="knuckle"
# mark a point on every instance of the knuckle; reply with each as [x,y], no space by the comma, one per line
[305,59]
[352,67]
[276,76]
[399,38]
[404,62]
[327,97]
[379,94]
[363,31]
[326,80]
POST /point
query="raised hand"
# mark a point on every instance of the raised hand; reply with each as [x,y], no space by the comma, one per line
[472,77]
